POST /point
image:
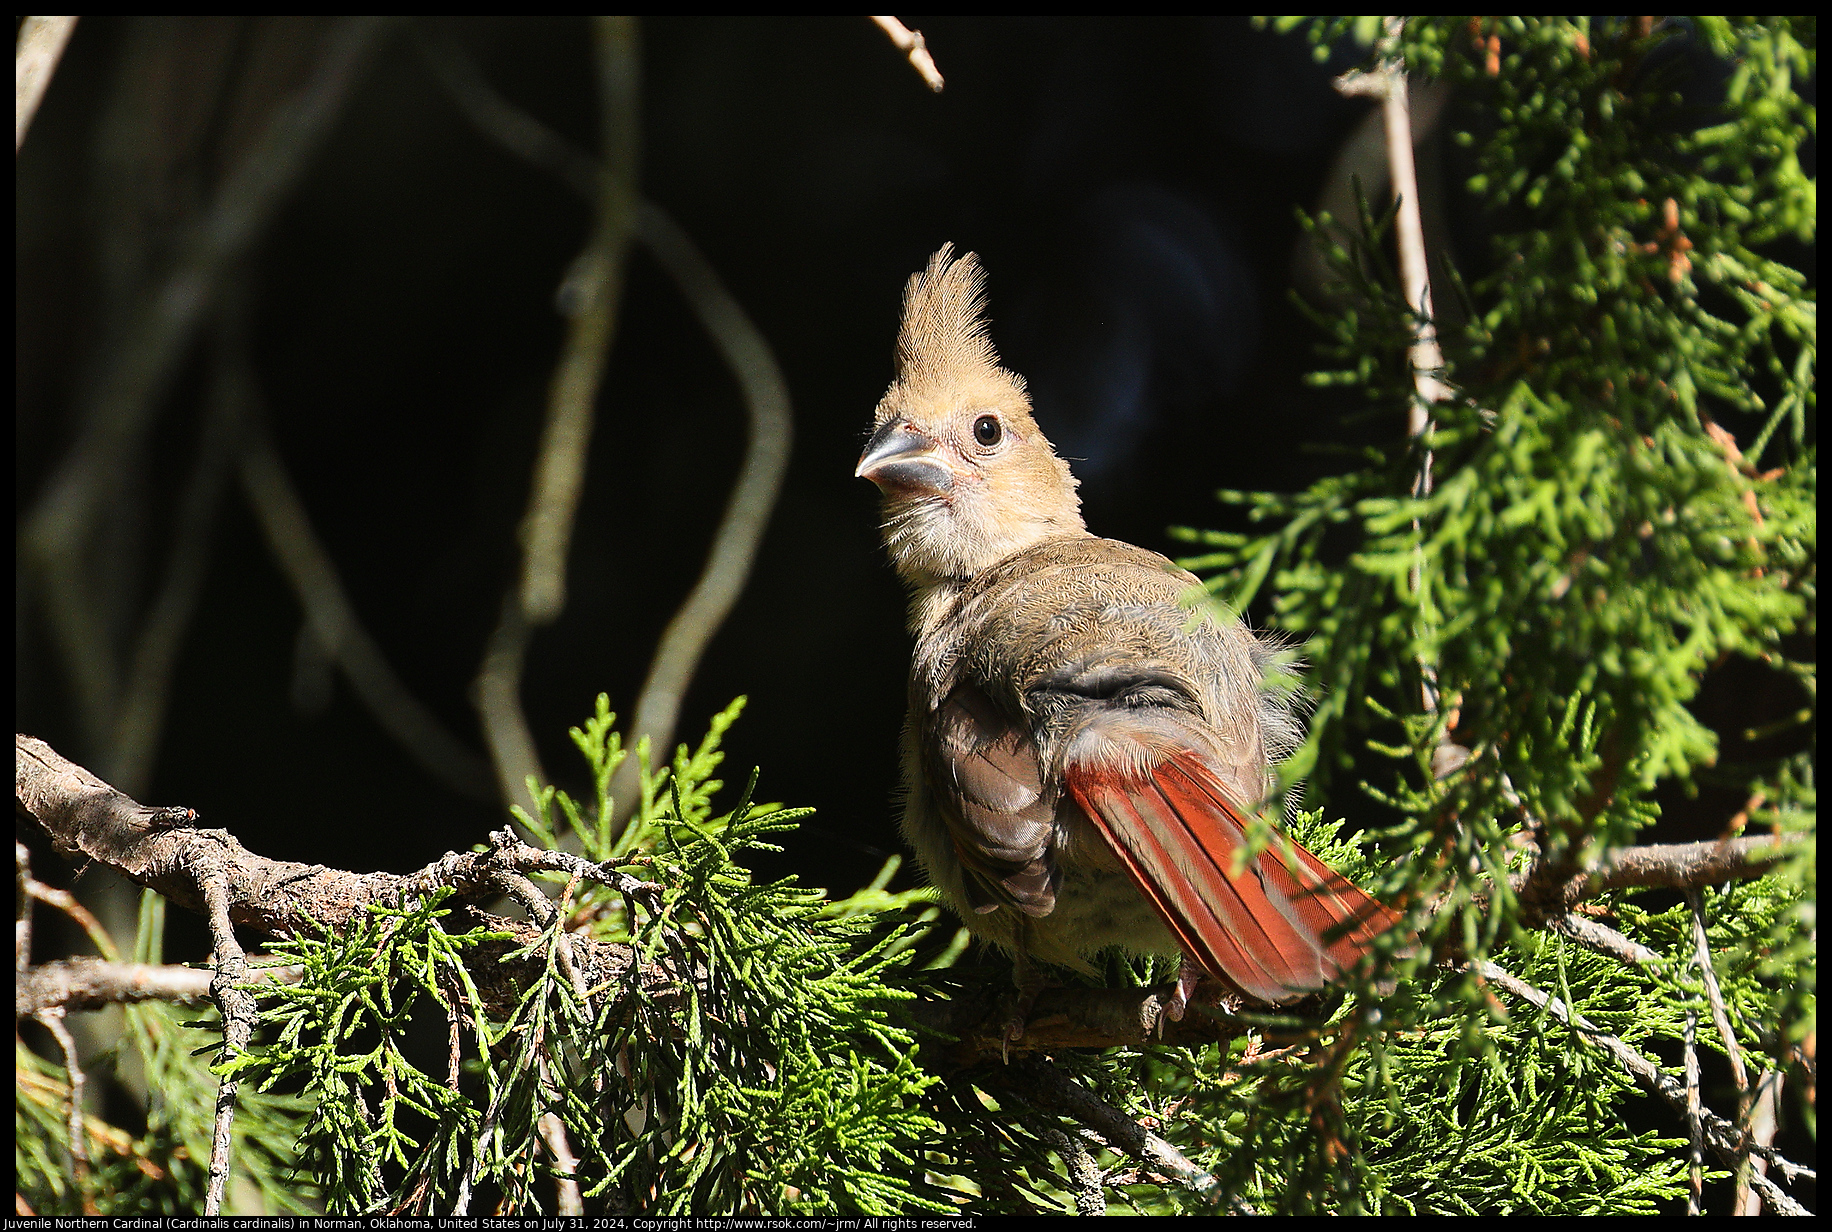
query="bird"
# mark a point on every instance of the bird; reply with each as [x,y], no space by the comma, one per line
[1085,746]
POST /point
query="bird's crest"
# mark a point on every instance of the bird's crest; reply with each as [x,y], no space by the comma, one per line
[944,334]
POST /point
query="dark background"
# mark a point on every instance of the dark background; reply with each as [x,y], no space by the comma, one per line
[1131,186]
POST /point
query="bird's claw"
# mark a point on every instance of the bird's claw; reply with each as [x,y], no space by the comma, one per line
[1188,976]
[1029,985]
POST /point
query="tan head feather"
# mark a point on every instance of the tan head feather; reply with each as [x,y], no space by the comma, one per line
[944,333]
[964,501]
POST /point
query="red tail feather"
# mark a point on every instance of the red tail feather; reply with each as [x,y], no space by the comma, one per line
[1276,930]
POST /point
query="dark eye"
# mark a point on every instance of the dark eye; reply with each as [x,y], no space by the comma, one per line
[987,431]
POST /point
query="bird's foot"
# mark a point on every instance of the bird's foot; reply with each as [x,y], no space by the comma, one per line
[1030,983]
[1012,1029]
[1188,976]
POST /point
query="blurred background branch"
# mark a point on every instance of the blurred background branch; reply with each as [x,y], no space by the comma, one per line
[58,541]
[330,618]
[39,46]
[590,296]
[912,44]
[747,513]
[746,354]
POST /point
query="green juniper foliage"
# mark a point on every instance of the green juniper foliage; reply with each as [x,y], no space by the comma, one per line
[1622,500]
[772,1079]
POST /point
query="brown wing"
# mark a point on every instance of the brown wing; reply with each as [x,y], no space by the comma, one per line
[1146,779]
[984,773]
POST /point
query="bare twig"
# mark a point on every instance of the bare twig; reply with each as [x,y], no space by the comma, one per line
[160,848]
[92,984]
[1760,1185]
[331,616]
[41,45]
[526,858]
[912,44]
[1062,1018]
[1720,1018]
[1426,359]
[118,410]
[591,295]
[22,909]
[1548,890]
[1604,940]
[1084,1177]
[1764,1123]
[67,903]
[745,352]
[594,287]
[1387,83]
[1049,1088]
[1720,1135]
[1695,1130]
[565,1162]
[528,896]
[1676,865]
[237,1007]
[52,1020]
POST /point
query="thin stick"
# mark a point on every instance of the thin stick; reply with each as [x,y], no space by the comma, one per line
[1388,84]
[565,1162]
[1604,940]
[41,45]
[912,44]
[1050,1088]
[1720,1135]
[1426,359]
[1720,1018]
[67,903]
[1764,1122]
[52,1020]
[1084,1177]
[237,1007]
[81,984]
[1547,890]
[593,290]
[1695,1132]
[22,907]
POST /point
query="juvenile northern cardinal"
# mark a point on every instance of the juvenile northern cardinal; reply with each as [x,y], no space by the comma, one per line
[1083,746]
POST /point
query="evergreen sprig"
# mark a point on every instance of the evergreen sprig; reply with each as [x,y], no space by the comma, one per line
[1593,543]
[764,1074]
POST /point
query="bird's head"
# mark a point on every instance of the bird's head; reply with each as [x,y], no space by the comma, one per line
[966,475]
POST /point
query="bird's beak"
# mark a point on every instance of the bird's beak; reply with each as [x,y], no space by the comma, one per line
[899,458]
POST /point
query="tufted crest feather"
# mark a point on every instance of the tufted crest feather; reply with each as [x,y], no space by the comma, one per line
[944,327]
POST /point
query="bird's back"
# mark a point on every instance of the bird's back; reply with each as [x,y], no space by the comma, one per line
[1080,622]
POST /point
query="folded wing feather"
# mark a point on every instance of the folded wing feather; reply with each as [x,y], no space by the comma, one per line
[1277,929]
